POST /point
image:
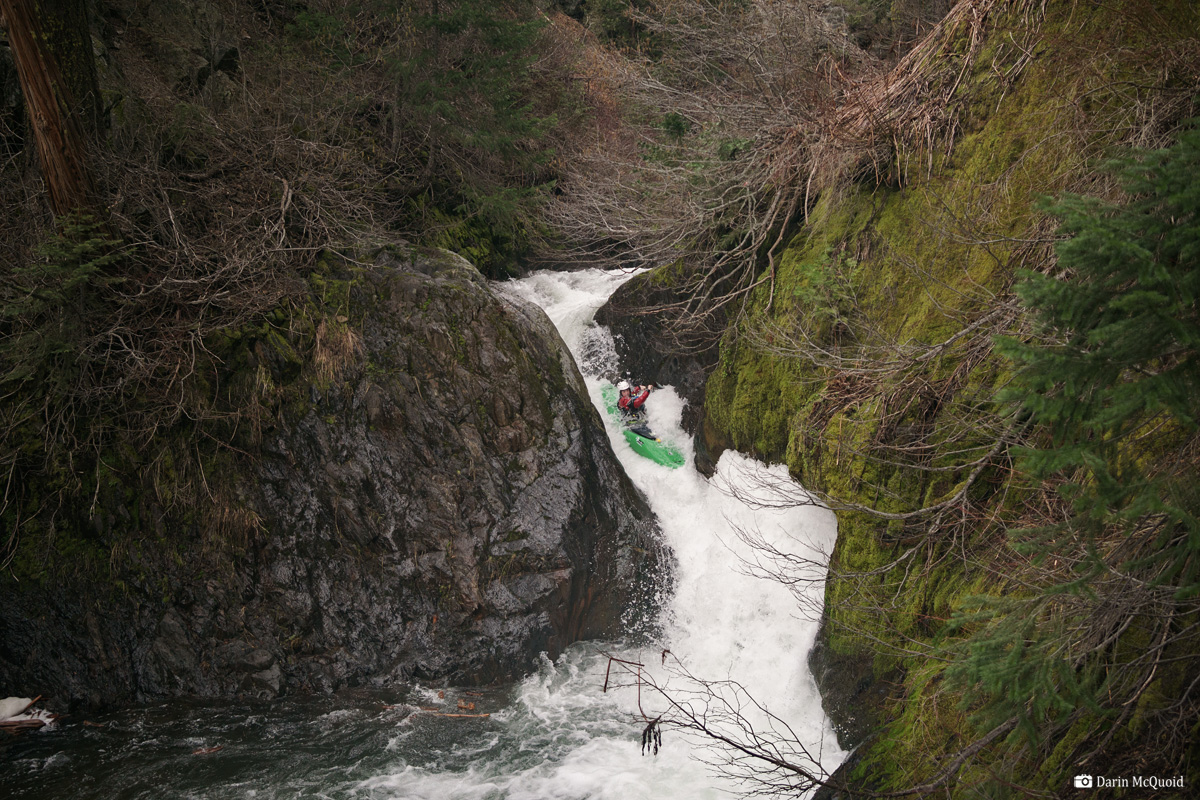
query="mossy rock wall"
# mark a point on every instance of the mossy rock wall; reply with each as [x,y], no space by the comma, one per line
[900,279]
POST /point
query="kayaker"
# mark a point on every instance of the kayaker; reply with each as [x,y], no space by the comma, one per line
[633,397]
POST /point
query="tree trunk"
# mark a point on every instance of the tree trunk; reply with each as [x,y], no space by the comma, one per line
[69,37]
[57,128]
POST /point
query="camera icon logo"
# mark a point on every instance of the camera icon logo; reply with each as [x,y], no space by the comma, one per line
[1083,782]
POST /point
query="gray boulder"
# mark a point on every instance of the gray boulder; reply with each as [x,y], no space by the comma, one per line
[434,499]
[451,506]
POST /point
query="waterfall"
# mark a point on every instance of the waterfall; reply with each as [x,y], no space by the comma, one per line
[556,735]
[721,621]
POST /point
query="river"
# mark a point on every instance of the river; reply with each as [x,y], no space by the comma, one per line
[555,734]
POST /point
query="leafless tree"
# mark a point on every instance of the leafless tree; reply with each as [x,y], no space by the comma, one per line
[747,742]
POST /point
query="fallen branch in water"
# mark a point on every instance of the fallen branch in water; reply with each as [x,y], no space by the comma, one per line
[437,712]
[203,751]
[18,725]
[11,724]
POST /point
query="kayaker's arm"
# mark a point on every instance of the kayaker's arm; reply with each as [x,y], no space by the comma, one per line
[640,400]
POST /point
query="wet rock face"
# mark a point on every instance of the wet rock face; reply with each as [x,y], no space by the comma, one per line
[443,504]
[853,694]
[855,698]
[451,506]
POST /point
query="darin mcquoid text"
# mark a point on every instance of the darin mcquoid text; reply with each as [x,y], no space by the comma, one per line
[1136,782]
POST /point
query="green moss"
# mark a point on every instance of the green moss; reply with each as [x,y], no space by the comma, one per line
[903,265]
[668,275]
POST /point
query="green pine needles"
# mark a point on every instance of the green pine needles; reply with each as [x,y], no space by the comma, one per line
[1099,633]
[1118,382]
[473,98]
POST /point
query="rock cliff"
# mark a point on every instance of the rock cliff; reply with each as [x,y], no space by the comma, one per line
[435,498]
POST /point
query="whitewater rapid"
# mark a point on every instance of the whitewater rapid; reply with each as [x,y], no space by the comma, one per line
[720,621]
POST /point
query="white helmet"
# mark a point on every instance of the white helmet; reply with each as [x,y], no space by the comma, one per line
[622,386]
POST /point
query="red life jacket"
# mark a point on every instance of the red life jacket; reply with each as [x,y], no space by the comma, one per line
[635,400]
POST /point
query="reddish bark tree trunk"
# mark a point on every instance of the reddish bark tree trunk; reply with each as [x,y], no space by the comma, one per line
[56,127]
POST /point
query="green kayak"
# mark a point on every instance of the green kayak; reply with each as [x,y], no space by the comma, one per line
[643,442]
